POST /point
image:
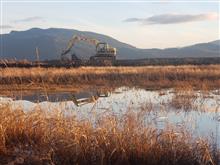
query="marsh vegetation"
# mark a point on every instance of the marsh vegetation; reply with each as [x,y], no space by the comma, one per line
[151,77]
[175,122]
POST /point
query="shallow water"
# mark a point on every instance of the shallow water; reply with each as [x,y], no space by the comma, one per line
[202,121]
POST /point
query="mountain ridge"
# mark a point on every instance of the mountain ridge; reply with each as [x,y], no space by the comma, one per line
[51,41]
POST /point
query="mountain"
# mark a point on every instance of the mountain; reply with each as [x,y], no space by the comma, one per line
[22,44]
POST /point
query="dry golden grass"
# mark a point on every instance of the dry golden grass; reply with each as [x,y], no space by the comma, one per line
[34,138]
[149,77]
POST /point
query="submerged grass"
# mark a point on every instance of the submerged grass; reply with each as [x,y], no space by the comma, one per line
[184,98]
[36,138]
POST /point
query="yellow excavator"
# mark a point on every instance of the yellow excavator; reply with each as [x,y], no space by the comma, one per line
[105,54]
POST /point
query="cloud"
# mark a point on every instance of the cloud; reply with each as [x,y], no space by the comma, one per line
[133,20]
[174,18]
[29,19]
[5,27]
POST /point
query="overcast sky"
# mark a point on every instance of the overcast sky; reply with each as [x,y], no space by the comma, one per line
[144,25]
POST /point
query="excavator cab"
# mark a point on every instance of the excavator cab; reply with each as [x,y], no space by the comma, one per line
[105,55]
[103,49]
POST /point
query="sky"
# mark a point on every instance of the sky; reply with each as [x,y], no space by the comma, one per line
[149,24]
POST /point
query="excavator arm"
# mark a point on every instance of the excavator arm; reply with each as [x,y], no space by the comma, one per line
[76,39]
[71,43]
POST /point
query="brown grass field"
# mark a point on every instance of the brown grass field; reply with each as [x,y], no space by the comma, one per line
[150,77]
[34,138]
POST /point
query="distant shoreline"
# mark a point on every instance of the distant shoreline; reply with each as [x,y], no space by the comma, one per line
[4,63]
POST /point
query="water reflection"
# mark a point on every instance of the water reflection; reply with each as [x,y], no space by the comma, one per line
[80,98]
[154,107]
[88,97]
